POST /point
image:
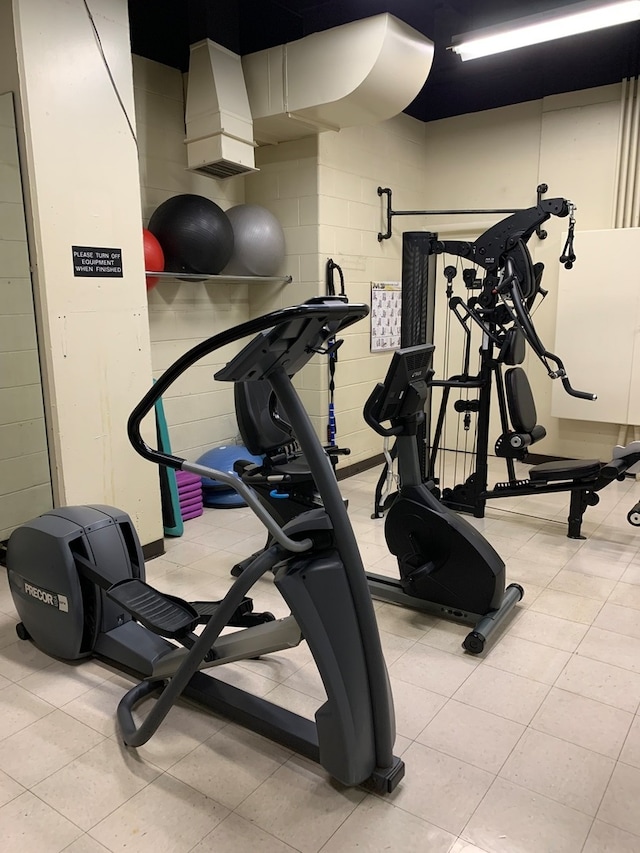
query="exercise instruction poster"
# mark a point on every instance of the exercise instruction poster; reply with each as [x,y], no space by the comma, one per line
[386,314]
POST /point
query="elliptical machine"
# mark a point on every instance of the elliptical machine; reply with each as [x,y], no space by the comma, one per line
[76,575]
[446,566]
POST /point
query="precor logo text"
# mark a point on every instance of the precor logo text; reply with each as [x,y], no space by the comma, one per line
[41,594]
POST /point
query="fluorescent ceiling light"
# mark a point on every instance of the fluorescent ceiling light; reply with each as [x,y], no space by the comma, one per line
[559,23]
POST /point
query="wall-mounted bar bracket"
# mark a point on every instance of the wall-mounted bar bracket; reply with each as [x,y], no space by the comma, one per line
[541,189]
[390,212]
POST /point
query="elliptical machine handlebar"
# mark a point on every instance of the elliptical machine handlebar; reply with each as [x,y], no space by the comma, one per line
[333,309]
[326,311]
[252,501]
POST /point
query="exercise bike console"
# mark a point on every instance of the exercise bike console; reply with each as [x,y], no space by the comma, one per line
[401,399]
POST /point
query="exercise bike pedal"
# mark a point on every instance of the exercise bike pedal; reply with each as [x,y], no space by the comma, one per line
[244,616]
[165,615]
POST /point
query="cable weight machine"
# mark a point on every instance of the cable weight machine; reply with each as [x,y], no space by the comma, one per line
[417,322]
[502,286]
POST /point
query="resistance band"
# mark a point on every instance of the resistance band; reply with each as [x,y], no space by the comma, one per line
[333,352]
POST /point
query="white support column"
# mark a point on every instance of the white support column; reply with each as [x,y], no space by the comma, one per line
[80,162]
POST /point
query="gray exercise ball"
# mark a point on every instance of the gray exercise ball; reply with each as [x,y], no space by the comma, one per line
[258,241]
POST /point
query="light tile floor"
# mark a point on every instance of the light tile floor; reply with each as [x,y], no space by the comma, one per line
[532,748]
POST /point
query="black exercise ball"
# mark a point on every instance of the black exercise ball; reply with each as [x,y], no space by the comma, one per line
[195,234]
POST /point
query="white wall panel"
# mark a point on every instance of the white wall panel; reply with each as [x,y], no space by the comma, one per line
[598,328]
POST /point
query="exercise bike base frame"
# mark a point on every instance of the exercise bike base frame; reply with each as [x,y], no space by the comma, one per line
[484,624]
[447,568]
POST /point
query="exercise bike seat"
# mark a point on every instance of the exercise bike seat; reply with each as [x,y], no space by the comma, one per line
[295,470]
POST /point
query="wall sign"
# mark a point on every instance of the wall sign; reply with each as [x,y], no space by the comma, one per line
[386,315]
[97,262]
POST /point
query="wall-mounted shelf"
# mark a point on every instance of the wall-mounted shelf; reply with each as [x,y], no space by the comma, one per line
[184,276]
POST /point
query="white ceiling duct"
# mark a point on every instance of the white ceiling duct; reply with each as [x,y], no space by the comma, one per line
[217,115]
[359,73]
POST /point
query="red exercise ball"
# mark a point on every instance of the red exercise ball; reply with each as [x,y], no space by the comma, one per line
[153,257]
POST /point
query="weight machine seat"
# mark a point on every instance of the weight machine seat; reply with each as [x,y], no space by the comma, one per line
[294,470]
[522,407]
[513,350]
[567,469]
[522,411]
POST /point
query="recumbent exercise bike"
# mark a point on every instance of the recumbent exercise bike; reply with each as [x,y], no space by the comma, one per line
[447,568]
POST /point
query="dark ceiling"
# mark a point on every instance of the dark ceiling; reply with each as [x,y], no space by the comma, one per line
[163,29]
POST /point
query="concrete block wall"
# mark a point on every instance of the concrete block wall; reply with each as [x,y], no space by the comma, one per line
[287,185]
[323,189]
[497,158]
[353,163]
[199,411]
[25,480]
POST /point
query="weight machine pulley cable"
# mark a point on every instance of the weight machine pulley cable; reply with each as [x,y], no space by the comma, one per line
[518,303]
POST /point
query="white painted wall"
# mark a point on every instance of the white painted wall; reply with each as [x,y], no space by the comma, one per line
[601,297]
[323,189]
[288,185]
[353,163]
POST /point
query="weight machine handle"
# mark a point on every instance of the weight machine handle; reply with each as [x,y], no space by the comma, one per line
[526,324]
[581,395]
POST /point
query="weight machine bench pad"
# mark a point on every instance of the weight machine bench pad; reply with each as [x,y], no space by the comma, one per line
[568,469]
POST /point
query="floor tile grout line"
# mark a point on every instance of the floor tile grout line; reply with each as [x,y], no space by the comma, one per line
[588,833]
[465,761]
[613,826]
[529,791]
[604,755]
